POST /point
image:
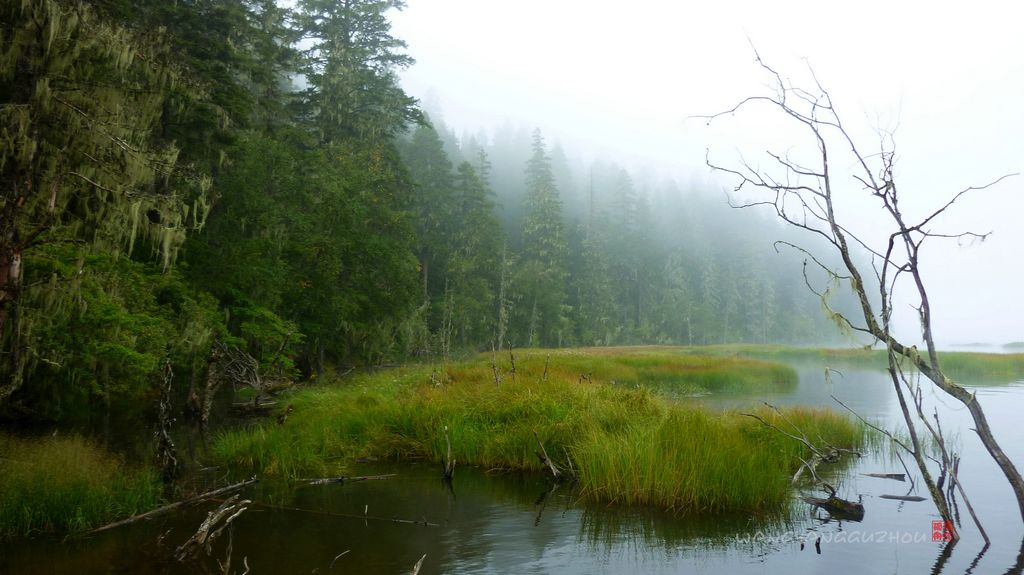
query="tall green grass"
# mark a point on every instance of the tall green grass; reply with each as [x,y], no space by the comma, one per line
[965,367]
[66,485]
[628,443]
[697,460]
[968,367]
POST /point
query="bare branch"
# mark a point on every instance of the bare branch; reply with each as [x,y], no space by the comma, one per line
[811,208]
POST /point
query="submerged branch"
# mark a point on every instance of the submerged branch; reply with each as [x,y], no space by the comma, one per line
[179,504]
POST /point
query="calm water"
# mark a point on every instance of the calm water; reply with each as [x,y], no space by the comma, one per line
[514,524]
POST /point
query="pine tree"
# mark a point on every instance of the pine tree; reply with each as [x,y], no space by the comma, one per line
[474,266]
[542,274]
[350,68]
[433,207]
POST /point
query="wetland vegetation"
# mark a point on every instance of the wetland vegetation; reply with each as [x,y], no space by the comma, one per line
[615,413]
[599,412]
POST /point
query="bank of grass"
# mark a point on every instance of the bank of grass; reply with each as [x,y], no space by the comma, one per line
[968,367]
[66,485]
[628,443]
[670,370]
[965,367]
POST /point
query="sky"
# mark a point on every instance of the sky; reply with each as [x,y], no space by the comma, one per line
[625,81]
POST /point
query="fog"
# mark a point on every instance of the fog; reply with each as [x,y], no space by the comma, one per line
[625,82]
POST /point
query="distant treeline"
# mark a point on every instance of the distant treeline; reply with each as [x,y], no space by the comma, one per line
[174,173]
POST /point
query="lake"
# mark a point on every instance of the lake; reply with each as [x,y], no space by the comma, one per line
[515,523]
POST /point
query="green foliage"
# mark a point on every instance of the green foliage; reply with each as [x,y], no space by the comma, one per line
[99,326]
[67,485]
[238,55]
[315,237]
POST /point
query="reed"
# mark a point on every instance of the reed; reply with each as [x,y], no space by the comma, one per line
[67,485]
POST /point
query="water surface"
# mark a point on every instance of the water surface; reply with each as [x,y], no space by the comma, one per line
[513,523]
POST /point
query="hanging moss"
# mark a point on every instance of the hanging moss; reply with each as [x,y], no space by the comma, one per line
[79,157]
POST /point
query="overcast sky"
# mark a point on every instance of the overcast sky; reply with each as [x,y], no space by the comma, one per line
[621,80]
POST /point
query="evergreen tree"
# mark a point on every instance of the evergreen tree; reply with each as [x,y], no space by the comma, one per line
[474,267]
[433,206]
[350,68]
[590,291]
[542,274]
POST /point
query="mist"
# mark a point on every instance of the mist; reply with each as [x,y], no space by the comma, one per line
[626,86]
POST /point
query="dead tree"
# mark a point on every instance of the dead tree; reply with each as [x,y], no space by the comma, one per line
[235,367]
[803,197]
[166,452]
[211,528]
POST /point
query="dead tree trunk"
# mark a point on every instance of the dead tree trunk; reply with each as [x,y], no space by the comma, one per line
[803,197]
[166,452]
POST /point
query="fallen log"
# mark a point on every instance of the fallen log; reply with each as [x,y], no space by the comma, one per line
[903,497]
[347,479]
[896,476]
[175,505]
[210,529]
[365,516]
[838,508]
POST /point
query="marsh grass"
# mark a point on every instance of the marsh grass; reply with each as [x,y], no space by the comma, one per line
[983,367]
[967,368]
[628,443]
[66,485]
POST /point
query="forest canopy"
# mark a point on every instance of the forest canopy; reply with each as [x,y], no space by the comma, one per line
[173,174]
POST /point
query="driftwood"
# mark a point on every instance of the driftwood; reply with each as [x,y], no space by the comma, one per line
[419,564]
[210,529]
[283,416]
[339,556]
[365,516]
[903,497]
[827,453]
[347,479]
[225,566]
[175,505]
[838,508]
[895,476]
